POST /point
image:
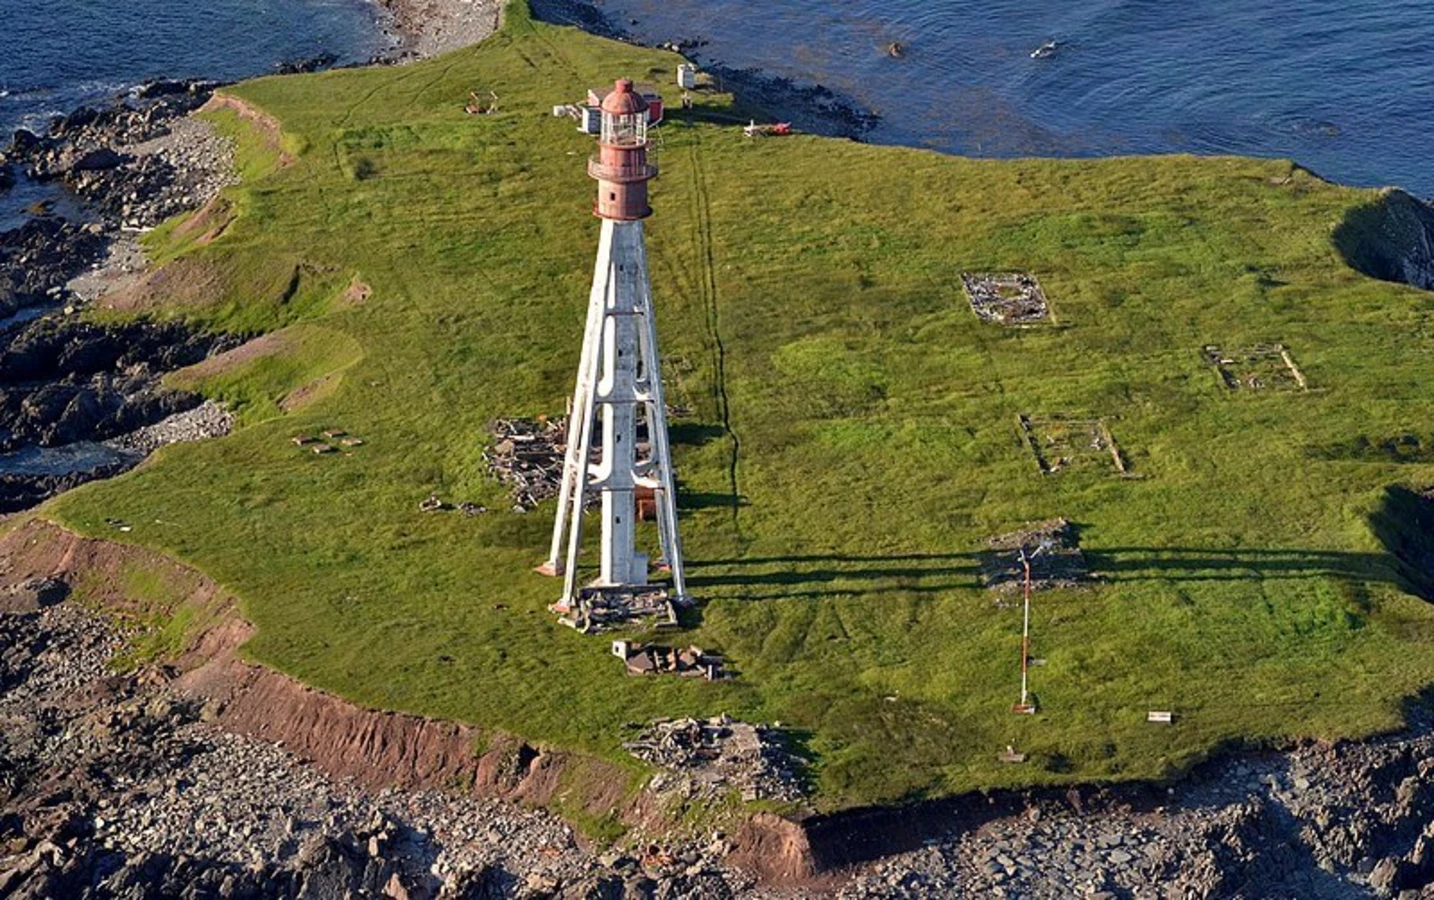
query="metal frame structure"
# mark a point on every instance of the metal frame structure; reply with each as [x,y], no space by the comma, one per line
[619,381]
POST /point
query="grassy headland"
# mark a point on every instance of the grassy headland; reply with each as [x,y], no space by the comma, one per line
[853,436]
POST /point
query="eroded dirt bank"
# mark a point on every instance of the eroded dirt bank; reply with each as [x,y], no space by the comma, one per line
[212,777]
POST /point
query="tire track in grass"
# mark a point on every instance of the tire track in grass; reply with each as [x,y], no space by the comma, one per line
[707,287]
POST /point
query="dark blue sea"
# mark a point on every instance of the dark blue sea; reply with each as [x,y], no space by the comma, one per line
[1345,87]
[57,54]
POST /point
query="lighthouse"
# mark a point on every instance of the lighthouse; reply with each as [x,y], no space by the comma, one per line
[618,408]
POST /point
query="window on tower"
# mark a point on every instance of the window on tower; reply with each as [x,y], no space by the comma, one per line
[624,130]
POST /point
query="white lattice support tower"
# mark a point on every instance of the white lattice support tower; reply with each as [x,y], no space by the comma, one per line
[619,380]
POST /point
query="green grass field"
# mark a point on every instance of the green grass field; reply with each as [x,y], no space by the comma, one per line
[853,441]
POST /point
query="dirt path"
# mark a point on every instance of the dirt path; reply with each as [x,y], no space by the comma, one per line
[266,125]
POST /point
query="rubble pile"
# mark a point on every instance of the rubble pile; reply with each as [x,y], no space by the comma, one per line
[1012,298]
[605,608]
[1053,550]
[528,455]
[118,785]
[655,659]
[209,419]
[711,756]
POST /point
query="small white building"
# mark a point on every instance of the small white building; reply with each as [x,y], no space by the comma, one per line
[687,76]
[589,119]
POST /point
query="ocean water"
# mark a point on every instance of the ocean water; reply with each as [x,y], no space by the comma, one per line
[57,54]
[1344,87]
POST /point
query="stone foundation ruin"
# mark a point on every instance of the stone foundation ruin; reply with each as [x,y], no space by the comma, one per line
[1060,443]
[1007,298]
[1263,367]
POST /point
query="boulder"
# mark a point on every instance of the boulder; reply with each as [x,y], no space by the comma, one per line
[98,161]
[31,595]
[23,143]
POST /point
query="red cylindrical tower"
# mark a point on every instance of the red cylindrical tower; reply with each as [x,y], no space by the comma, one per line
[621,167]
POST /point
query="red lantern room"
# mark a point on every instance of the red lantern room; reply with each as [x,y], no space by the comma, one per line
[621,167]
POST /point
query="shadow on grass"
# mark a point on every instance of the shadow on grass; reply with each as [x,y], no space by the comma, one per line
[1196,564]
[909,573]
[1389,238]
[694,434]
[692,502]
[1403,524]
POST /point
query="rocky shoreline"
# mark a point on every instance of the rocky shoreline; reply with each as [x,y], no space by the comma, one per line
[127,784]
[152,781]
[426,28]
[70,390]
[813,108]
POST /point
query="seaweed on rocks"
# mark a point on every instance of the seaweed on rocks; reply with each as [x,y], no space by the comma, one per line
[307,64]
[66,382]
[40,257]
[814,108]
[106,156]
[137,116]
[63,381]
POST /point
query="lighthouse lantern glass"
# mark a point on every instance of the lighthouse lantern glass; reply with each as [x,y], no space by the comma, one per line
[624,130]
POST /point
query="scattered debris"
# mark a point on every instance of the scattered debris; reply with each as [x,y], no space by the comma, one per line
[1263,367]
[720,753]
[677,372]
[654,659]
[604,608]
[472,509]
[589,118]
[432,504]
[119,524]
[1162,716]
[1053,549]
[528,455]
[1010,755]
[778,129]
[1060,443]
[1007,298]
[479,105]
[332,439]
